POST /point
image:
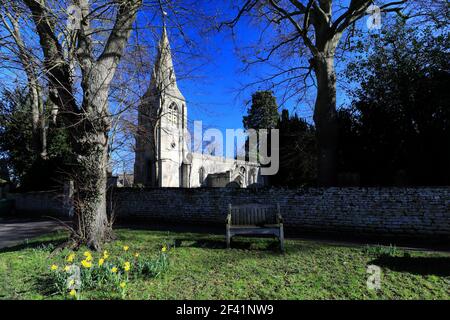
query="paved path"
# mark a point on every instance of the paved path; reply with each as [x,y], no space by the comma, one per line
[14,232]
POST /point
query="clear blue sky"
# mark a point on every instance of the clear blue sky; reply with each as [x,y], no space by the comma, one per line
[213,91]
[212,88]
[212,84]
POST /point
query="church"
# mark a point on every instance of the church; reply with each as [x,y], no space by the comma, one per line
[163,156]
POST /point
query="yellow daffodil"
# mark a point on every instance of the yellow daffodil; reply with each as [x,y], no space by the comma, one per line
[71,257]
[73,293]
[122,285]
[86,263]
[54,267]
[101,261]
[114,270]
[136,255]
[88,256]
[126,266]
[164,249]
[125,248]
[105,254]
[71,282]
[67,268]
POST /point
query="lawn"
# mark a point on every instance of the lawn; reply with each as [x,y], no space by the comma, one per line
[200,268]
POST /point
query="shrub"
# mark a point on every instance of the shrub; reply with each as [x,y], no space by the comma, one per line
[379,250]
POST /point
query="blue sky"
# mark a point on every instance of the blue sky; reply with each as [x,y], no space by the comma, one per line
[212,88]
[212,84]
[213,91]
[214,81]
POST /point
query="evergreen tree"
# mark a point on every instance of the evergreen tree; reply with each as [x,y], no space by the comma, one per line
[298,152]
[263,113]
[398,128]
[28,170]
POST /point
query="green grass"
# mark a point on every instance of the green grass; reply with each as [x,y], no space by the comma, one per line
[200,268]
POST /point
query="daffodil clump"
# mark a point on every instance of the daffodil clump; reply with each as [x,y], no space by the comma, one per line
[80,272]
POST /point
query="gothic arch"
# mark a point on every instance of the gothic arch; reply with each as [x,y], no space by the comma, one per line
[201,175]
[252,178]
[173,114]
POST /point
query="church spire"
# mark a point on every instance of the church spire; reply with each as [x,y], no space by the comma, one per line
[163,76]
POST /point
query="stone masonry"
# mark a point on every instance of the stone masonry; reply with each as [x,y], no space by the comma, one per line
[407,212]
[419,213]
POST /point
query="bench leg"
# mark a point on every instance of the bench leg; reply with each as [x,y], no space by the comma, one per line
[281,239]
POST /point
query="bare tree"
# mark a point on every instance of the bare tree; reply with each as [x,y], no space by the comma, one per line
[89,122]
[77,67]
[312,29]
[10,19]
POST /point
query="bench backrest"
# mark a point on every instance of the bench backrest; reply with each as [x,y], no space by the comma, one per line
[253,214]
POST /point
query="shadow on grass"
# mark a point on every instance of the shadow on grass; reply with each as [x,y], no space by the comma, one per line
[256,244]
[45,286]
[439,266]
[37,244]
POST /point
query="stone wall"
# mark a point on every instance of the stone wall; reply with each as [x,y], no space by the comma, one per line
[406,212]
[419,213]
[39,204]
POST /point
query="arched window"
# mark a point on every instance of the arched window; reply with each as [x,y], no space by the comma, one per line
[173,114]
[252,176]
[201,175]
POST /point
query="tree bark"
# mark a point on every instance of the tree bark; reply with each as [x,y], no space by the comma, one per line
[90,202]
[325,118]
[92,150]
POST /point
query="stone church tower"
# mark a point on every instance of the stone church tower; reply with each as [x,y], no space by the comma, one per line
[162,120]
[162,156]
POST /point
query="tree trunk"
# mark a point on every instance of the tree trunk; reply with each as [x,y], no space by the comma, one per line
[90,190]
[91,176]
[325,118]
[38,119]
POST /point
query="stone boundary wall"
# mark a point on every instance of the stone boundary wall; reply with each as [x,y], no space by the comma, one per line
[419,213]
[36,204]
[382,212]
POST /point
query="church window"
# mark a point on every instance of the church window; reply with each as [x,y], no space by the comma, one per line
[243,174]
[173,114]
[201,175]
[252,176]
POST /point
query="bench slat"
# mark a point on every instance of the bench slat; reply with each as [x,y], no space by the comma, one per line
[248,215]
[254,219]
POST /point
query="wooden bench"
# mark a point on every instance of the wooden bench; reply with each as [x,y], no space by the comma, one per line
[254,219]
